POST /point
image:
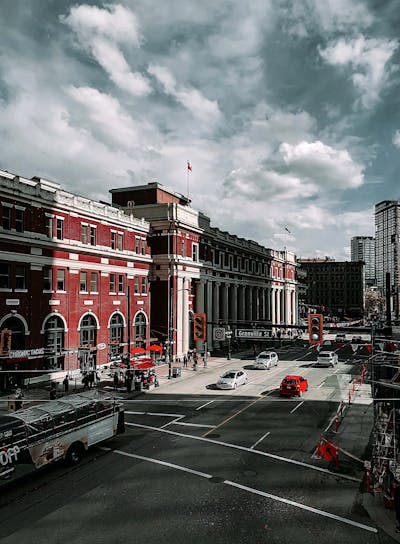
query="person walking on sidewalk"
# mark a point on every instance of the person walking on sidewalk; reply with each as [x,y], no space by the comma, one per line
[53,391]
[18,398]
[66,383]
[185,361]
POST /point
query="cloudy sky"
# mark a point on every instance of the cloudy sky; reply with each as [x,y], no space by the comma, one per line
[288,110]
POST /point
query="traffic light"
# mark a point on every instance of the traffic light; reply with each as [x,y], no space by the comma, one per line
[199,326]
[315,328]
[5,341]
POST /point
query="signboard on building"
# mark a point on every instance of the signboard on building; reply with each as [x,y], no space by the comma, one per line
[253,333]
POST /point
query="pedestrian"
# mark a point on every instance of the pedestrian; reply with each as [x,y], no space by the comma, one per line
[195,358]
[396,500]
[66,383]
[116,381]
[185,361]
[169,370]
[19,395]
[53,391]
[91,379]
[128,381]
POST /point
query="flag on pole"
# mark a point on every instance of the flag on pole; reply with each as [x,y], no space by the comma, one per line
[189,166]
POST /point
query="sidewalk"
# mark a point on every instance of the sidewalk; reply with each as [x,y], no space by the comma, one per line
[36,394]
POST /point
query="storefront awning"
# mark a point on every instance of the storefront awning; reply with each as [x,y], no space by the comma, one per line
[143,365]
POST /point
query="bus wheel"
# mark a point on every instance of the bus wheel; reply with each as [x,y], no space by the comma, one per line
[75,453]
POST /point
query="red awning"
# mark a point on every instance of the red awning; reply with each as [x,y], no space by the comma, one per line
[155,348]
[137,350]
[144,365]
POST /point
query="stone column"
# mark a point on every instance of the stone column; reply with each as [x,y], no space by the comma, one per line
[249,304]
[273,310]
[209,310]
[241,302]
[185,318]
[224,302]
[216,302]
[278,306]
[233,303]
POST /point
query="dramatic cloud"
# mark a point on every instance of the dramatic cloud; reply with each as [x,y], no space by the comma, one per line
[191,99]
[99,31]
[396,139]
[327,167]
[368,58]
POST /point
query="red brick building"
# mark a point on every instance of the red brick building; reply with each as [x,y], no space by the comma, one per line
[67,268]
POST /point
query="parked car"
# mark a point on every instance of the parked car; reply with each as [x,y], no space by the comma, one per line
[327,358]
[356,339]
[265,360]
[341,337]
[231,379]
[293,386]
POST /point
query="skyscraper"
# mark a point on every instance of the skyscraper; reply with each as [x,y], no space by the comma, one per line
[387,250]
[363,249]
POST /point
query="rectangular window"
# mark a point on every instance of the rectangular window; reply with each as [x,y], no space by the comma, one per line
[183,247]
[5,277]
[19,220]
[93,282]
[120,241]
[49,227]
[112,283]
[121,283]
[113,240]
[144,285]
[60,229]
[137,244]
[93,236]
[195,252]
[84,234]
[143,247]
[60,279]
[20,277]
[83,281]
[6,221]
[137,285]
[47,279]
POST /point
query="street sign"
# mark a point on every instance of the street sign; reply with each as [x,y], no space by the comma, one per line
[228,334]
[252,333]
[101,346]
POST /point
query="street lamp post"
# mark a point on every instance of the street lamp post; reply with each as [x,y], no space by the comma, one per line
[228,334]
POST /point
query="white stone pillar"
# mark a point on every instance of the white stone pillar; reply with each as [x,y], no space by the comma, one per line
[185,318]
[278,306]
[273,309]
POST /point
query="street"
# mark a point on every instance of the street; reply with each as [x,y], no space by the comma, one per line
[196,463]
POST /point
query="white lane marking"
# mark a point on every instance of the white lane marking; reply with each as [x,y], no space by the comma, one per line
[243,448]
[330,423]
[158,462]
[302,506]
[153,414]
[298,406]
[246,488]
[170,422]
[321,384]
[203,405]
[192,424]
[258,441]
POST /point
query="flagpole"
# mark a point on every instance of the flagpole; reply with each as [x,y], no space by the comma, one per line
[187,182]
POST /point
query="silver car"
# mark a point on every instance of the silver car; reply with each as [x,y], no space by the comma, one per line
[266,360]
[231,379]
[327,358]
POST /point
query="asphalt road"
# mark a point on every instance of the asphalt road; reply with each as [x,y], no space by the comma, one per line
[199,464]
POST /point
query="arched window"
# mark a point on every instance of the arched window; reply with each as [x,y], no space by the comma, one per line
[16,326]
[54,341]
[116,335]
[88,340]
[139,333]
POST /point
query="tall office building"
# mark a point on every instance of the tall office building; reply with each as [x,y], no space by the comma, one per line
[387,254]
[363,249]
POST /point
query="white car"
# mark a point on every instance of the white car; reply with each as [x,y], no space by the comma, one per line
[265,360]
[231,379]
[327,358]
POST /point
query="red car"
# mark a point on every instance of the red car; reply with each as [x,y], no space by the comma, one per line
[293,385]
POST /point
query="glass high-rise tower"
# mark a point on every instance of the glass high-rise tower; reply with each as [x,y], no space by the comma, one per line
[363,249]
[387,249]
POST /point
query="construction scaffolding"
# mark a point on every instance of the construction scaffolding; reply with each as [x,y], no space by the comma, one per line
[384,375]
